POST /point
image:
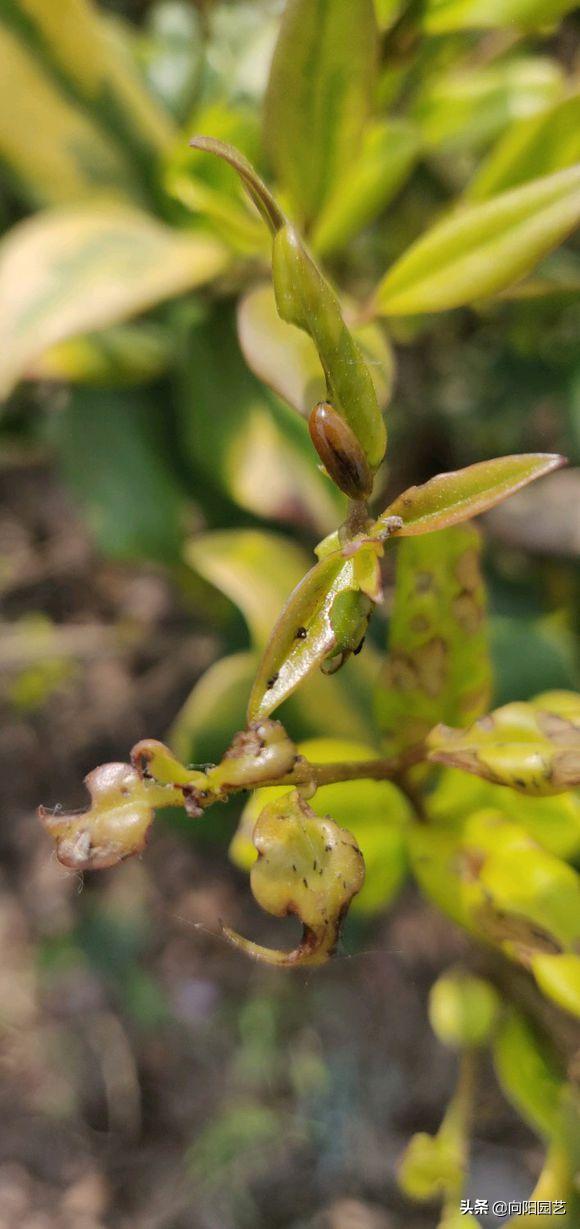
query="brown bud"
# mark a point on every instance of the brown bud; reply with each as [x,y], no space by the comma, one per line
[340,451]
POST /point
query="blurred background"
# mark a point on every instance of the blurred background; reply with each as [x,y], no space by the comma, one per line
[151,1077]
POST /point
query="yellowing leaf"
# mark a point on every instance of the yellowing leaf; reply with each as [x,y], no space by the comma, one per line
[55,151]
[319,95]
[376,813]
[534,748]
[483,248]
[308,867]
[558,977]
[537,145]
[72,270]
[448,499]
[438,653]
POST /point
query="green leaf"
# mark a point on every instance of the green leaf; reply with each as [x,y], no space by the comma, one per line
[69,271]
[533,146]
[285,357]
[445,16]
[114,456]
[533,748]
[438,653]
[480,249]
[305,299]
[387,155]
[124,355]
[374,811]
[214,710]
[528,1072]
[448,499]
[325,617]
[319,95]
[244,441]
[460,110]
[558,977]
[338,705]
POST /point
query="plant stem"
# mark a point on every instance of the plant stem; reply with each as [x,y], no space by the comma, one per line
[385,769]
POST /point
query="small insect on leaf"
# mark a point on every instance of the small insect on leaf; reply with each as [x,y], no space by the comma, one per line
[451,498]
[307,867]
[116,823]
[533,748]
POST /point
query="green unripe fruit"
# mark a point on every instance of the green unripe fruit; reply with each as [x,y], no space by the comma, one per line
[463,1010]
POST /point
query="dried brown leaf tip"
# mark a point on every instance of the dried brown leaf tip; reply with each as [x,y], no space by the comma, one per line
[534,747]
[307,867]
[116,823]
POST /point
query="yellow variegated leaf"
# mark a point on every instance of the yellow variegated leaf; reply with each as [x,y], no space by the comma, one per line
[68,271]
[54,150]
[538,145]
[481,249]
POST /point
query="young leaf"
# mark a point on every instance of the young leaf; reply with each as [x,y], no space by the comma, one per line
[116,824]
[325,618]
[376,813]
[537,145]
[438,652]
[308,867]
[533,748]
[68,271]
[387,154]
[305,299]
[451,498]
[483,248]
[286,359]
[319,95]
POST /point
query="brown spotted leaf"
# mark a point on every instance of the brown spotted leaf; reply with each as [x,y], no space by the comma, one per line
[438,659]
[533,747]
[307,867]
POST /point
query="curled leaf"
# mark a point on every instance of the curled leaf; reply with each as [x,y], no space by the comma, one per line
[307,867]
[116,823]
[533,748]
[451,498]
[261,753]
[325,617]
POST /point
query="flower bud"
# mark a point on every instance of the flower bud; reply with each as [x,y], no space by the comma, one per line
[340,451]
[462,1010]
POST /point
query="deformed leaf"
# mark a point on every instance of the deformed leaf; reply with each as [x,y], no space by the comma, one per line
[68,271]
[481,249]
[450,498]
[319,95]
[115,825]
[532,747]
[307,867]
[325,617]
[376,813]
[438,650]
